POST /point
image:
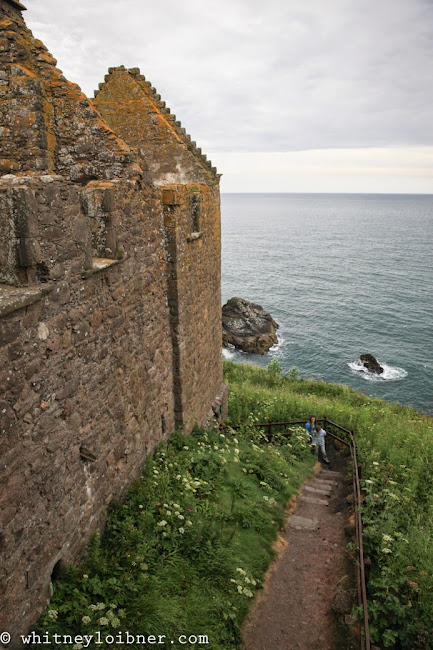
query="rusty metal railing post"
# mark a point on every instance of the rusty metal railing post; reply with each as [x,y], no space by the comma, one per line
[269,431]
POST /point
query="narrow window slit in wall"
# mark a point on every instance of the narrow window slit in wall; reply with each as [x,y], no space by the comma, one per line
[195,211]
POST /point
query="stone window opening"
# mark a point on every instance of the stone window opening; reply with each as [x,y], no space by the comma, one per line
[20,258]
[99,205]
[195,208]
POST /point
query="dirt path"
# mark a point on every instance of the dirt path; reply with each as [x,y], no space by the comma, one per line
[312,577]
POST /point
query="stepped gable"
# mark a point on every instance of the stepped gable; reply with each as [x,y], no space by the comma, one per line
[133,108]
[48,124]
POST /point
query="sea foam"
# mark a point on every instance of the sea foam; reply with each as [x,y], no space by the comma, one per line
[389,373]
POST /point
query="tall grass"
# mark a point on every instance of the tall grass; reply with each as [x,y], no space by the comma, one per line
[395,445]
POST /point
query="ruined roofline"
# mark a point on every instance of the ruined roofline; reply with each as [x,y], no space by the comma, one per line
[16,4]
[176,124]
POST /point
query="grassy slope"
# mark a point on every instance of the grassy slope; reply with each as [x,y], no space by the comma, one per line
[396,452]
[186,550]
[196,575]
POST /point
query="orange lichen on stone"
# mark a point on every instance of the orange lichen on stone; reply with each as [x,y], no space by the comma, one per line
[110,312]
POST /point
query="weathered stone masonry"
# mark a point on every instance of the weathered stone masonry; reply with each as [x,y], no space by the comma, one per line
[110,328]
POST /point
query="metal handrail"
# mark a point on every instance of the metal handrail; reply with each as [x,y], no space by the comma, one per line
[362,588]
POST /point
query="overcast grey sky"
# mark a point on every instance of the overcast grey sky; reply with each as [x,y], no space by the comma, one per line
[283,95]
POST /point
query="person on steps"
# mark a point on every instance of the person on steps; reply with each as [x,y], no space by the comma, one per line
[319,442]
[311,427]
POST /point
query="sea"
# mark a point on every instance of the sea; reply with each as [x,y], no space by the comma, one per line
[343,275]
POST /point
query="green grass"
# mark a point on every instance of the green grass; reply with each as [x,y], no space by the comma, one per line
[198,574]
[186,550]
[395,447]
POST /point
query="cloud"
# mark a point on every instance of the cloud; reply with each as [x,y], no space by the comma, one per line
[245,75]
[251,77]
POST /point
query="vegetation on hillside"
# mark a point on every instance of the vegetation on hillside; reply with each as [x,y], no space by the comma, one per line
[186,550]
[395,447]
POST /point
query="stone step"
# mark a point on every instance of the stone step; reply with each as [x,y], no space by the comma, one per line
[324,493]
[330,473]
[329,482]
[303,523]
[321,502]
[321,485]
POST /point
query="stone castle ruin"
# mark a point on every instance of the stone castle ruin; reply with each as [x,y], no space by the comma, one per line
[110,314]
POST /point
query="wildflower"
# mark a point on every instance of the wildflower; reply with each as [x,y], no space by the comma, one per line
[181,530]
[176,506]
[189,523]
[386,550]
[239,589]
[369,482]
[375,463]
[52,614]
[185,447]
[140,506]
[168,512]
[248,592]
[241,571]
[86,619]
[162,523]
[180,517]
[85,576]
[387,538]
[115,622]
[232,580]
[77,646]
[103,621]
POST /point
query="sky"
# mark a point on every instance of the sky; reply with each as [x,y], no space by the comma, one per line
[282,95]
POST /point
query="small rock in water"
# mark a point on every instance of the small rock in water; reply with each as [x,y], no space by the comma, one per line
[372,364]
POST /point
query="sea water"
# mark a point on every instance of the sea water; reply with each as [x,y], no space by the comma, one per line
[343,275]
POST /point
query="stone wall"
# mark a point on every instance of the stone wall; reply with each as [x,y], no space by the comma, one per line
[133,109]
[194,296]
[48,124]
[85,380]
[110,320]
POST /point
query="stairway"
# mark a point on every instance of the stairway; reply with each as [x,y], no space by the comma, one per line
[295,610]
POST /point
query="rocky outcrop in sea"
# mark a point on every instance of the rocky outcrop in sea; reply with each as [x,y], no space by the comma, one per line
[372,364]
[248,326]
